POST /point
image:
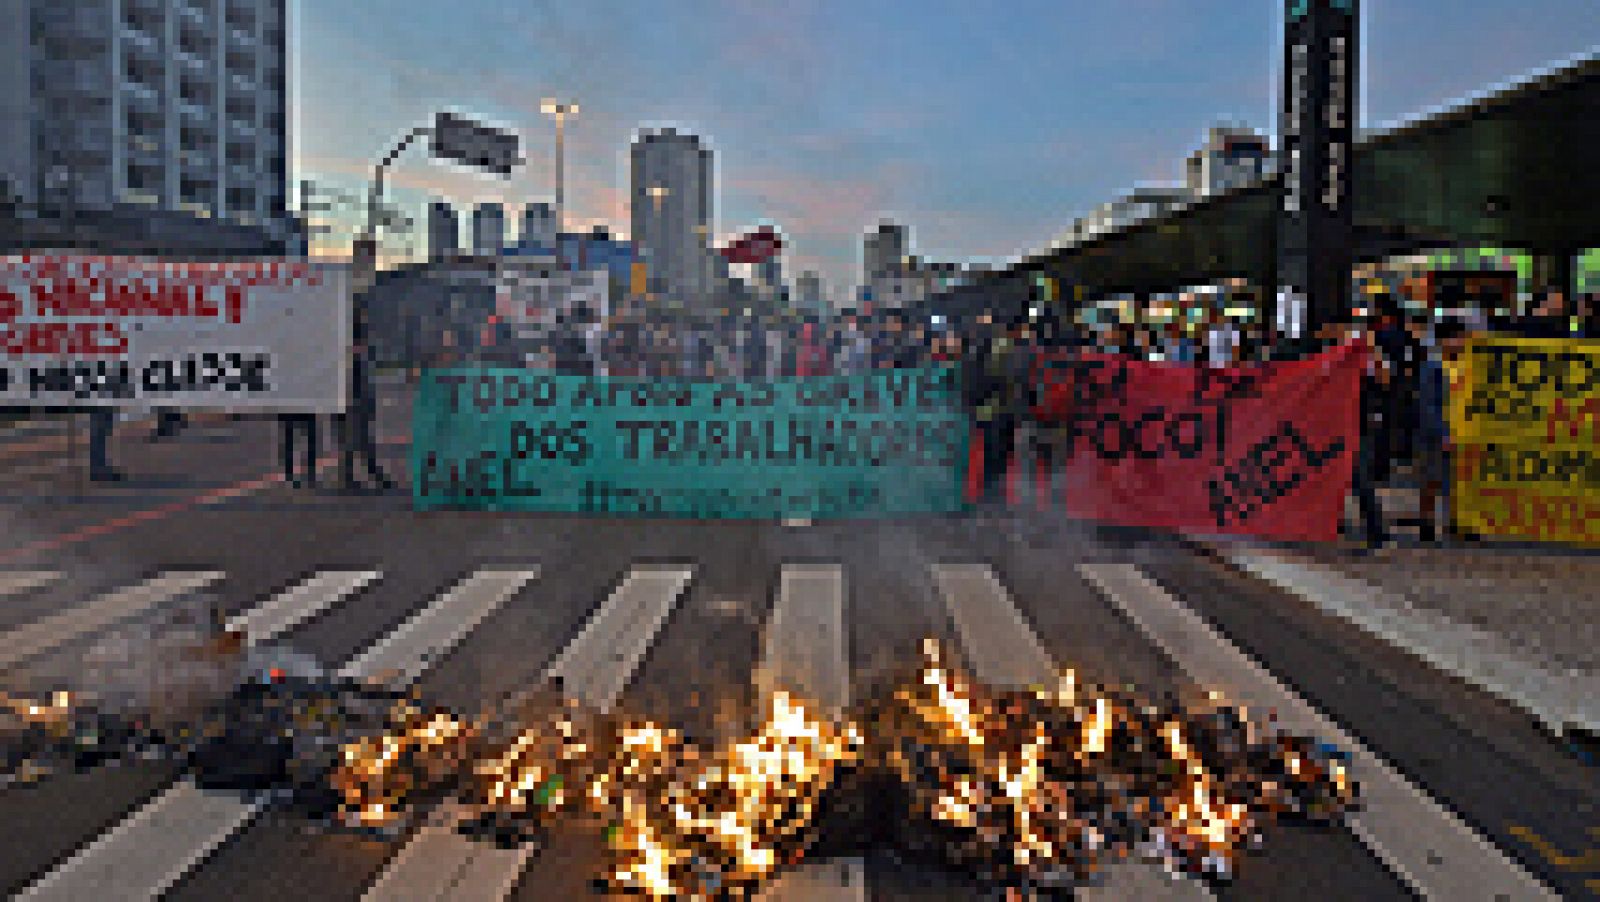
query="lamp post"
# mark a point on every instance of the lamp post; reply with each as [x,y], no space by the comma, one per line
[559,112]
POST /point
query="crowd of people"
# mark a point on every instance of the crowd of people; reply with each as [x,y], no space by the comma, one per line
[1405,391]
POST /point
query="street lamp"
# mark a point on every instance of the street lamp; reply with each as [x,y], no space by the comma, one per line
[454,137]
[559,112]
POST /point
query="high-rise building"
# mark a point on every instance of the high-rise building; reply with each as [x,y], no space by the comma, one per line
[538,226]
[884,253]
[488,229]
[671,211]
[1231,158]
[177,106]
[808,292]
[444,231]
[769,272]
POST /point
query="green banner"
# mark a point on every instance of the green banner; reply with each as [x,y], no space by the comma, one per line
[888,442]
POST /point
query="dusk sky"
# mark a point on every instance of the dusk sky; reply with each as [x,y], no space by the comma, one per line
[985,131]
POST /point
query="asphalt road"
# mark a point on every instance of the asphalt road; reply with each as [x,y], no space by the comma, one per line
[206,500]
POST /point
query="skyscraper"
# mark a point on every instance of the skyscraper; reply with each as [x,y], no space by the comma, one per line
[883,256]
[808,292]
[488,229]
[169,105]
[671,211]
[538,226]
[444,230]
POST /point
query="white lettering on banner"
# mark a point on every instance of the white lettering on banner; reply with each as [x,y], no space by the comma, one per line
[266,336]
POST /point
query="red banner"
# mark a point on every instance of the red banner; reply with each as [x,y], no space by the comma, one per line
[1265,449]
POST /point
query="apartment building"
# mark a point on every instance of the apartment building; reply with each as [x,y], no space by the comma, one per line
[173,107]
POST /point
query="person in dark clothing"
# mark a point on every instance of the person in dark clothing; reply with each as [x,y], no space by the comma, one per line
[297,427]
[1402,354]
[1433,427]
[357,422]
[568,345]
[168,422]
[1364,483]
[101,422]
[1550,319]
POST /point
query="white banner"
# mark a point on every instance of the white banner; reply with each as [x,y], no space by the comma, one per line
[133,332]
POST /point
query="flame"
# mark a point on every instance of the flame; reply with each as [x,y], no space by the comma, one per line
[377,774]
[735,815]
[1022,785]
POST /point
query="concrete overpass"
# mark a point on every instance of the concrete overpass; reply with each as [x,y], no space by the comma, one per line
[1514,169]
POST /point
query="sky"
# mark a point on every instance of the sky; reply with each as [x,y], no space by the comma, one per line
[985,127]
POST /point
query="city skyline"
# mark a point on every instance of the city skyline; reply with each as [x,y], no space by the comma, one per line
[827,117]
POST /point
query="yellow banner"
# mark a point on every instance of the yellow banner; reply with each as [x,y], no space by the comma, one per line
[1525,420]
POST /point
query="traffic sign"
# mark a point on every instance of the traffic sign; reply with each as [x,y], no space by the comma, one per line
[474,144]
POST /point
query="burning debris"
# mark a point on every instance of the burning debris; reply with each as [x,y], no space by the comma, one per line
[1040,787]
[1031,789]
[683,822]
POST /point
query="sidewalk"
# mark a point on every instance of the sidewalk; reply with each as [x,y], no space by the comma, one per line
[1521,621]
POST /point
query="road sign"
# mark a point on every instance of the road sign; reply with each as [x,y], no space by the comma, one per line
[474,144]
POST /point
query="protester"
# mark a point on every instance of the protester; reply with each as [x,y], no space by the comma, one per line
[1402,353]
[1433,428]
[1180,348]
[295,427]
[357,424]
[1550,317]
[102,420]
[1222,341]
[983,382]
[1373,403]
[570,343]
[168,422]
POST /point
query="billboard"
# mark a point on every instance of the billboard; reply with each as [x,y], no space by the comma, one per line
[131,332]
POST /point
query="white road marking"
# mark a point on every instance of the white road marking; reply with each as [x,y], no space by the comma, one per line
[596,665]
[40,636]
[805,643]
[17,582]
[414,646]
[439,863]
[1559,700]
[147,853]
[1004,651]
[294,606]
[805,654]
[1430,848]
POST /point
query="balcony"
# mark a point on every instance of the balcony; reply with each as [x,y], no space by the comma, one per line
[141,97]
[241,14]
[144,153]
[142,44]
[197,92]
[148,16]
[193,14]
[148,72]
[242,82]
[194,65]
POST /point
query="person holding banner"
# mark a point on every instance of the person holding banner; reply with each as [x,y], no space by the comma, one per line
[356,424]
[295,427]
[1433,428]
[101,422]
[1375,388]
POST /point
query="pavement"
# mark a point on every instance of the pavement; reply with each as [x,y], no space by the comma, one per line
[1518,620]
[686,622]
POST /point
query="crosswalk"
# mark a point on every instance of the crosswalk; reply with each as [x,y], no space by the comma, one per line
[804,647]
